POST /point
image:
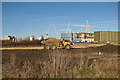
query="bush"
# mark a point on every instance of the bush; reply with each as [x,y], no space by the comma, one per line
[9,43]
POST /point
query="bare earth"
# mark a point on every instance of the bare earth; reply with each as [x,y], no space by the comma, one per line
[61,63]
[77,45]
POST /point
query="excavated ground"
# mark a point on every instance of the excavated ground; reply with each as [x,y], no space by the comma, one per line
[61,63]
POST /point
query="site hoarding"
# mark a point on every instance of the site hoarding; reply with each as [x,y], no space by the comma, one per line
[106,36]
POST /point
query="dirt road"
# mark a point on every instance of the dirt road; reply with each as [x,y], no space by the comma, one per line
[77,45]
[13,48]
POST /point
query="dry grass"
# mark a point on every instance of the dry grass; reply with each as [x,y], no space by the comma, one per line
[74,63]
[22,43]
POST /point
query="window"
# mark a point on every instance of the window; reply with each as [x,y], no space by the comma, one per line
[67,40]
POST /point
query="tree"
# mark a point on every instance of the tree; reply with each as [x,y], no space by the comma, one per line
[42,37]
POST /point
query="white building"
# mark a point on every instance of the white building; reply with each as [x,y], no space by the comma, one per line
[5,38]
[13,38]
[86,37]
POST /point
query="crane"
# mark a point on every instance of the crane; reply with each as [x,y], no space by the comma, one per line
[68,29]
[54,29]
[86,26]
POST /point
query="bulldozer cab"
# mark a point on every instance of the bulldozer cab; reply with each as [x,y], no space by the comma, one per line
[66,40]
[66,43]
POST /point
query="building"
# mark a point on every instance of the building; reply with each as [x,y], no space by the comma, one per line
[5,38]
[104,36]
[85,37]
[65,35]
[69,35]
[12,38]
[82,37]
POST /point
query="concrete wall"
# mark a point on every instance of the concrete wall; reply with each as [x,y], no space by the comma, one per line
[106,36]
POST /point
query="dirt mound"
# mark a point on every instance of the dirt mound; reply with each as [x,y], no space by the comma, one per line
[109,48]
[116,43]
[52,39]
[49,40]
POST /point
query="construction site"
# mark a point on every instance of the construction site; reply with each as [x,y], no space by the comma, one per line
[60,40]
[72,55]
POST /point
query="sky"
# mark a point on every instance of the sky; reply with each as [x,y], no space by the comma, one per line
[23,19]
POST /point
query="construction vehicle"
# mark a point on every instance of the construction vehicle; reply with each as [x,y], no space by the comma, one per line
[52,43]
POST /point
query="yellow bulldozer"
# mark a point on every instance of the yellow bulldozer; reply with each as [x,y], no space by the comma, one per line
[53,43]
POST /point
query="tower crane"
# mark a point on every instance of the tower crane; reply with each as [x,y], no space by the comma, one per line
[86,26]
[68,30]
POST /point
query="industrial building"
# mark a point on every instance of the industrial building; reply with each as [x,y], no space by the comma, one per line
[103,36]
[99,36]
